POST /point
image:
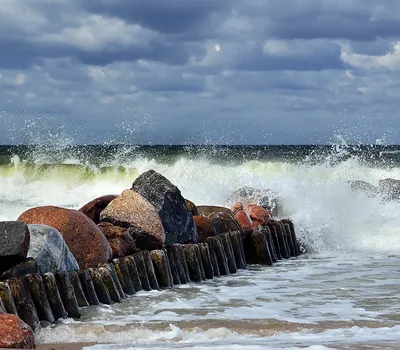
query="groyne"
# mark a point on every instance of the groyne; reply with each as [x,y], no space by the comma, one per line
[221,243]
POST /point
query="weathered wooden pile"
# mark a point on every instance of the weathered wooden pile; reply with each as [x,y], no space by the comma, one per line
[209,242]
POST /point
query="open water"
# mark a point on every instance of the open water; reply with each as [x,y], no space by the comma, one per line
[342,295]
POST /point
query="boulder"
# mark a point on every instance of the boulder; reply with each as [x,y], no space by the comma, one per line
[15,333]
[249,195]
[192,207]
[258,213]
[84,239]
[93,209]
[134,212]
[170,205]
[49,249]
[243,219]
[204,227]
[224,222]
[29,265]
[14,244]
[389,189]
[207,210]
[121,241]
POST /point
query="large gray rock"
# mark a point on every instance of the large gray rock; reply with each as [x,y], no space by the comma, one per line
[166,198]
[14,244]
[49,250]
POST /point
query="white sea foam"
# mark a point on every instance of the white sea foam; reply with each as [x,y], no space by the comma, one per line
[327,213]
[309,302]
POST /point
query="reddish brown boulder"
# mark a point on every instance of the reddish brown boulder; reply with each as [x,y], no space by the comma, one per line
[204,226]
[207,210]
[131,210]
[93,209]
[192,207]
[119,238]
[243,219]
[15,333]
[84,239]
[224,221]
[258,213]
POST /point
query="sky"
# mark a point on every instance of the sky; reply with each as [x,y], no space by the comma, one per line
[199,71]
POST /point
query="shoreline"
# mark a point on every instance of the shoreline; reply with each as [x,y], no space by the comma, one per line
[63,346]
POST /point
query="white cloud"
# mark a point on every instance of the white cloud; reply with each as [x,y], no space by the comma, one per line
[97,32]
[390,60]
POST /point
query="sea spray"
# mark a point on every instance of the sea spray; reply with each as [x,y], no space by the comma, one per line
[311,184]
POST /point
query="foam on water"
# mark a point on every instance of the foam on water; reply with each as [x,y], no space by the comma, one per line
[328,214]
[308,302]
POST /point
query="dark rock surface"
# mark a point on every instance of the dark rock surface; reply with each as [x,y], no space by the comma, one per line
[14,244]
[171,206]
[27,266]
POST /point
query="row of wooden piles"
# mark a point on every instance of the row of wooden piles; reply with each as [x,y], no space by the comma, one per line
[42,299]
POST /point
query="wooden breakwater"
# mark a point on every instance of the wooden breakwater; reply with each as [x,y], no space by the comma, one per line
[47,297]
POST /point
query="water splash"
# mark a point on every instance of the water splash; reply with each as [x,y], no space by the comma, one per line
[313,190]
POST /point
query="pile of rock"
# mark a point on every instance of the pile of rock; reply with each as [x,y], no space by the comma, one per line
[55,261]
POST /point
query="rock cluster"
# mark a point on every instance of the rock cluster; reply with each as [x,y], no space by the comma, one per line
[55,261]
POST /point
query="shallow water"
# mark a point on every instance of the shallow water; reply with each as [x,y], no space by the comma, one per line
[333,301]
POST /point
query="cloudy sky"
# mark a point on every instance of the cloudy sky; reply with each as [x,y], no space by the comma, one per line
[199,71]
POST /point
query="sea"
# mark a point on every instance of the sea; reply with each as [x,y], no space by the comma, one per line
[344,293]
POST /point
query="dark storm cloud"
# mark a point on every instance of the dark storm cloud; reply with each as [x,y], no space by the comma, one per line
[174,16]
[210,71]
